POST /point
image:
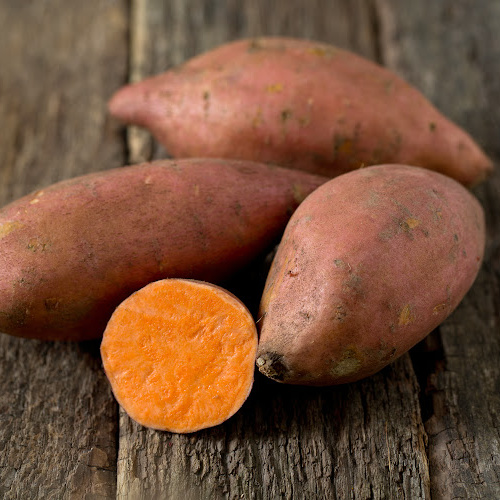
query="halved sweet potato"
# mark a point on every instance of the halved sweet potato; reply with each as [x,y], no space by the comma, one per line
[180,355]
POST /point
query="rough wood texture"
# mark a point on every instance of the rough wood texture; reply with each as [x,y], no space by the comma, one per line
[60,63]
[451,50]
[362,441]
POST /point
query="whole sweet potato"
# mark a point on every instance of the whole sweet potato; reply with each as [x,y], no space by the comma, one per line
[72,252]
[300,104]
[369,264]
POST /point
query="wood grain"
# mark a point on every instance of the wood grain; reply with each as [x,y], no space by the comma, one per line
[60,63]
[361,441]
[451,50]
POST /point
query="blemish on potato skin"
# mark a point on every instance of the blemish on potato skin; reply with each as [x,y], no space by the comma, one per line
[51,304]
[439,308]
[274,88]
[388,86]
[306,315]
[342,145]
[257,119]
[238,208]
[389,355]
[299,195]
[372,200]
[339,313]
[18,315]
[437,214]
[255,45]
[35,245]
[319,51]
[354,285]
[408,224]
[9,226]
[406,316]
[348,365]
[206,102]
[286,114]
[37,197]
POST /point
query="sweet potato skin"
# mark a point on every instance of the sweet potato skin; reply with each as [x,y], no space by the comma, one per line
[369,264]
[300,104]
[72,252]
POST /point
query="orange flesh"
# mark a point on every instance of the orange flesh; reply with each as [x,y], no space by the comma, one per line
[180,355]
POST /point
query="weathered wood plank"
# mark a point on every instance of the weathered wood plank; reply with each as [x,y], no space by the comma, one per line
[59,62]
[451,50]
[365,440]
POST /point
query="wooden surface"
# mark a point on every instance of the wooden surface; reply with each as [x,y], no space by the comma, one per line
[425,427]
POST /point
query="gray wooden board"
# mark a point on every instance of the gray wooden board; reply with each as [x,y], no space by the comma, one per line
[59,63]
[451,51]
[362,441]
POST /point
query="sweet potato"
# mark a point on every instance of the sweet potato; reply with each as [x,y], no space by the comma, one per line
[369,264]
[300,104]
[180,355]
[72,252]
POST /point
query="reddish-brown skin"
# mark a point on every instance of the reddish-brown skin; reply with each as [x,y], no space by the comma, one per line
[72,252]
[369,264]
[300,104]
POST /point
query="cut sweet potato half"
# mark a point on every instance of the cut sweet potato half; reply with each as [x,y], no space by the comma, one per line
[180,355]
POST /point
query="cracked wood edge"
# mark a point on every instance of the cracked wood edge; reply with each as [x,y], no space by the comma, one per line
[365,440]
[451,51]
[60,62]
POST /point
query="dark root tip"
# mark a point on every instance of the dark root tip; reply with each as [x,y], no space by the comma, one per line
[271,365]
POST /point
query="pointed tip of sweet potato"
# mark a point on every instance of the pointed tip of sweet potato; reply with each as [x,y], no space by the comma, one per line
[136,104]
[124,104]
